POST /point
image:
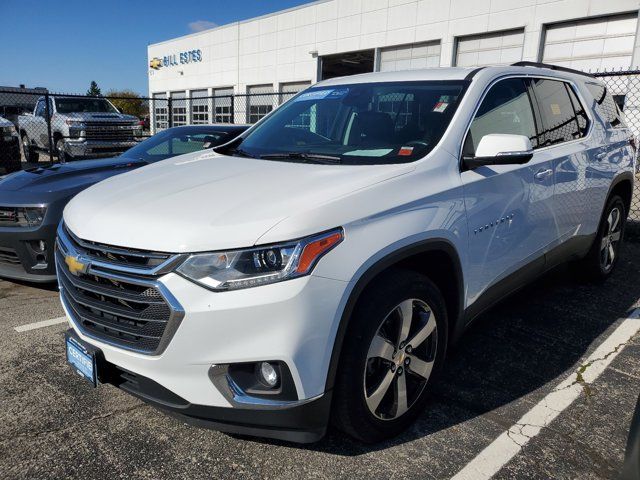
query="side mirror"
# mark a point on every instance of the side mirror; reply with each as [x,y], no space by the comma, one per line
[500,149]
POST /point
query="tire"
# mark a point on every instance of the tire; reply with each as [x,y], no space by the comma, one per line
[360,408]
[60,153]
[603,256]
[28,152]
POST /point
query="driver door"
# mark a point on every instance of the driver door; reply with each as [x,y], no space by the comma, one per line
[509,207]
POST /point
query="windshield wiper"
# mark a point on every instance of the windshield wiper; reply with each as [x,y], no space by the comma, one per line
[308,157]
[239,151]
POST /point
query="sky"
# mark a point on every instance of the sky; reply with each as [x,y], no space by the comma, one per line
[63,46]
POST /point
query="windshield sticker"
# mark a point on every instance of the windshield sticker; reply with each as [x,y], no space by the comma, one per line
[322,94]
[555,109]
[378,152]
[313,95]
[405,151]
[440,107]
[338,93]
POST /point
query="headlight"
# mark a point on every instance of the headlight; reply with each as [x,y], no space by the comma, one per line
[22,216]
[76,128]
[252,267]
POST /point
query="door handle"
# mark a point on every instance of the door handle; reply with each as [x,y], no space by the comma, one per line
[542,174]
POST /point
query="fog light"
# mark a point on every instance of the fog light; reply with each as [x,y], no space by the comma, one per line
[268,374]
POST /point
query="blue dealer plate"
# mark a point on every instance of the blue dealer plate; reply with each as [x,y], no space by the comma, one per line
[82,361]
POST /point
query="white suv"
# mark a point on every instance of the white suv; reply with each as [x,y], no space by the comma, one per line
[318,267]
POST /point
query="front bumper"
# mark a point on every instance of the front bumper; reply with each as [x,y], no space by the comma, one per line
[96,148]
[303,423]
[293,322]
[20,260]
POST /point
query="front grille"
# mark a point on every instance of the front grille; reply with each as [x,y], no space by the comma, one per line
[110,131]
[9,256]
[117,256]
[129,310]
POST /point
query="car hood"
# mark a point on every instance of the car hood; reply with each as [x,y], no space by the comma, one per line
[42,184]
[98,117]
[201,202]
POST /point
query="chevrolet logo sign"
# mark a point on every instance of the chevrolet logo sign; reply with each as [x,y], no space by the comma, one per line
[155,63]
[76,265]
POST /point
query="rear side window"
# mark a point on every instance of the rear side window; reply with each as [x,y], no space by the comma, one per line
[606,105]
[559,120]
[505,109]
[581,114]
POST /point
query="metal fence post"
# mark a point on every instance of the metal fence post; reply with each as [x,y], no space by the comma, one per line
[48,115]
[233,109]
[170,112]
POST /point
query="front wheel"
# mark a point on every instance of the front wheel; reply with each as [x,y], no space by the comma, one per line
[60,151]
[605,251]
[28,153]
[394,346]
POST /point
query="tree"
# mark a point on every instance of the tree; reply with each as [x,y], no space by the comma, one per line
[94,89]
[129,102]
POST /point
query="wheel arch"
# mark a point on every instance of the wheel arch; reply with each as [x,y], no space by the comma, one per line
[427,257]
[622,185]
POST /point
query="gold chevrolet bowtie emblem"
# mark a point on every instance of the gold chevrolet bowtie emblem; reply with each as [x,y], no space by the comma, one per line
[75,265]
[155,63]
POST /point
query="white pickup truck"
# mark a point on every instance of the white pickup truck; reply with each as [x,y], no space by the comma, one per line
[81,127]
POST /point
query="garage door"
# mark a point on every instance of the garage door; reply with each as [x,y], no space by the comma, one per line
[600,43]
[407,57]
[498,48]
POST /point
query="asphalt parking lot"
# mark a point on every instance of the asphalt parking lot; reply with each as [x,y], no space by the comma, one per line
[548,340]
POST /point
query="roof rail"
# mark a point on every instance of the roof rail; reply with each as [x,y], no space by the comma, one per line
[551,67]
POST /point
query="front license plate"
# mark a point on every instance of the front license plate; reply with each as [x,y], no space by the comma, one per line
[82,361]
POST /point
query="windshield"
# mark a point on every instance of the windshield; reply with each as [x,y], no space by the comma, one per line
[173,142]
[77,105]
[373,123]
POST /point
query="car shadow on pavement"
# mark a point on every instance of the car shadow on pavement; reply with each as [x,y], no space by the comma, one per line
[48,286]
[530,341]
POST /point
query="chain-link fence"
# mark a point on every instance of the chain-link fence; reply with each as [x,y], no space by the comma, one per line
[51,126]
[44,126]
[624,86]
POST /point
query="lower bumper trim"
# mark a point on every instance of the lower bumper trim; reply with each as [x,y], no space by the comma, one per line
[303,423]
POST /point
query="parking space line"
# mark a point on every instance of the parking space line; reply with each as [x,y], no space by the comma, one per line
[496,455]
[42,324]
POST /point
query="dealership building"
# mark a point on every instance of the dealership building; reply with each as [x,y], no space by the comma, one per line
[249,67]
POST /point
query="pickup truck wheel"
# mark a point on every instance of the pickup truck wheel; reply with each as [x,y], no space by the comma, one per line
[28,153]
[605,251]
[395,345]
[62,155]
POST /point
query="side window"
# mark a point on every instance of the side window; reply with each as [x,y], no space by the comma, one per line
[578,108]
[606,105]
[505,109]
[558,116]
[40,109]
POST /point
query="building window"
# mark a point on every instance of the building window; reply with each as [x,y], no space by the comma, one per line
[223,105]
[160,111]
[199,107]
[259,102]
[178,108]
[408,57]
[592,44]
[497,48]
